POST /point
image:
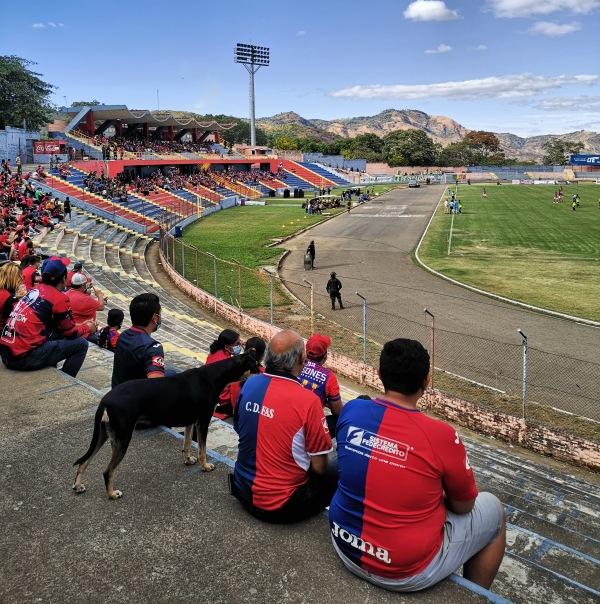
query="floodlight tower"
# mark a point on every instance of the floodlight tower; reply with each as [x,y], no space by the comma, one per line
[252,58]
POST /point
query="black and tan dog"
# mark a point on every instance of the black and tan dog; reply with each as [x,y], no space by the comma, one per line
[186,399]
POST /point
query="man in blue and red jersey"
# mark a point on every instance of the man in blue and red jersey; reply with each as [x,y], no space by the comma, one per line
[40,330]
[137,354]
[320,380]
[282,473]
[407,512]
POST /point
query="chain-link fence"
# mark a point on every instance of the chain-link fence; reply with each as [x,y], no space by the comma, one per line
[509,377]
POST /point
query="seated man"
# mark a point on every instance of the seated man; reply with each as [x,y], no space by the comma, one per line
[320,380]
[40,330]
[407,512]
[137,354]
[83,305]
[282,473]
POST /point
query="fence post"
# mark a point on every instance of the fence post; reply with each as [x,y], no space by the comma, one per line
[312,307]
[239,265]
[524,373]
[271,291]
[364,326]
[197,284]
[215,271]
[182,259]
[432,370]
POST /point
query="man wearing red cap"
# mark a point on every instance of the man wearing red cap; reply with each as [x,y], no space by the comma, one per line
[40,330]
[321,381]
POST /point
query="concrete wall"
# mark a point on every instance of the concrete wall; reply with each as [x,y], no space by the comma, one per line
[14,139]
[542,439]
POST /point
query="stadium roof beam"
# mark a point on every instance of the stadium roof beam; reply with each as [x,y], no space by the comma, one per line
[252,58]
[133,117]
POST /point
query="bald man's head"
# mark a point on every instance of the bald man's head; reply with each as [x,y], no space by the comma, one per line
[285,352]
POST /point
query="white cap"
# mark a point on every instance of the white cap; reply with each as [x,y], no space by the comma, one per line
[78,279]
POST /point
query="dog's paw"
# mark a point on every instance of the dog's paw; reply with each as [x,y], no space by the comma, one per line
[190,460]
[208,467]
[115,495]
[79,488]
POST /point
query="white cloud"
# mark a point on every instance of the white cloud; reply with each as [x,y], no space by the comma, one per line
[301,33]
[502,87]
[510,9]
[569,103]
[481,47]
[430,10]
[547,28]
[51,24]
[441,48]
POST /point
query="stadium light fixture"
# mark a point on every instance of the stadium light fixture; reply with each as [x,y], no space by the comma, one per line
[252,58]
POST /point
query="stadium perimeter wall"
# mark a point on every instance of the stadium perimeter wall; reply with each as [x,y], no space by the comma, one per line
[536,437]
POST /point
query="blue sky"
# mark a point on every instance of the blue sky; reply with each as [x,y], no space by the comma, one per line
[522,66]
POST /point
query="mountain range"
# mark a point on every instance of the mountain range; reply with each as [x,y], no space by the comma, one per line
[440,129]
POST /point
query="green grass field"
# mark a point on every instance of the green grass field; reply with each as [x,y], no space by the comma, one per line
[519,244]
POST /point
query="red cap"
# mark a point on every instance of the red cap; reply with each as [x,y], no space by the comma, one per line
[63,259]
[317,345]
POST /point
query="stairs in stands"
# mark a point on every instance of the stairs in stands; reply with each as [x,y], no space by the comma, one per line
[321,171]
[273,184]
[306,174]
[238,187]
[205,193]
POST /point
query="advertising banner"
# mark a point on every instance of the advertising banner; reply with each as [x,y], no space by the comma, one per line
[47,147]
[585,160]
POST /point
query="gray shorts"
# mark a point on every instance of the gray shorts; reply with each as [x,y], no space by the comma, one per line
[464,536]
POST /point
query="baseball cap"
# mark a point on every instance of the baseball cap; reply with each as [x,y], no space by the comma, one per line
[55,268]
[317,345]
[78,279]
[64,260]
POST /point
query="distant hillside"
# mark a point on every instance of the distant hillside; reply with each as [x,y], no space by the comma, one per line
[442,130]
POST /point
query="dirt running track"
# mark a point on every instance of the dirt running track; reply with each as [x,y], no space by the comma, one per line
[370,250]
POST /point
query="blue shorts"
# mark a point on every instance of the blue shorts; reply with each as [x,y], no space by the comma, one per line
[464,536]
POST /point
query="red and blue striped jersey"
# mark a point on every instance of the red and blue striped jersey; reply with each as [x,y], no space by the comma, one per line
[280,426]
[396,465]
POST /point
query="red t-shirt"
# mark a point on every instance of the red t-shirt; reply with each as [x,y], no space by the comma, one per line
[83,307]
[220,355]
[396,464]
[29,275]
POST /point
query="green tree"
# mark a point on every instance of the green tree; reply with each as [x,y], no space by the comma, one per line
[23,95]
[558,151]
[285,143]
[412,145]
[485,148]
[456,154]
[364,146]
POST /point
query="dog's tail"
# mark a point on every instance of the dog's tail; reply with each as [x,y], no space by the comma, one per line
[95,436]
